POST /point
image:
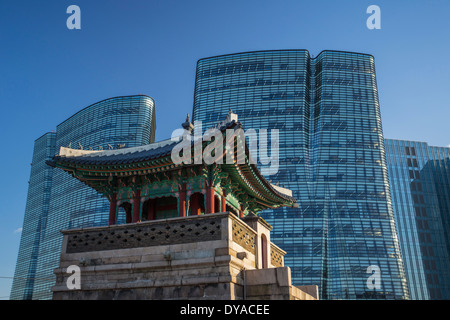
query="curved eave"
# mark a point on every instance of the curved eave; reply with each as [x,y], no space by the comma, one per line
[91,170]
[263,193]
[268,185]
[259,184]
[140,168]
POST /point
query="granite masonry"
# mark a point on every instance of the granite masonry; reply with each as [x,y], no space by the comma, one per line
[212,256]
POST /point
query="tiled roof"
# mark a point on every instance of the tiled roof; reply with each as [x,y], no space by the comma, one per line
[71,157]
[127,155]
[121,156]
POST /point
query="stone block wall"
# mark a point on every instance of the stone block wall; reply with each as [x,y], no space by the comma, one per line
[275,284]
[196,257]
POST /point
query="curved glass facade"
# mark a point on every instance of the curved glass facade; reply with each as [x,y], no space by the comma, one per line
[127,121]
[36,212]
[420,185]
[331,155]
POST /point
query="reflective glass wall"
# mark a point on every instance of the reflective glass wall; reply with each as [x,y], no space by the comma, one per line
[420,186]
[331,154]
[112,123]
[36,212]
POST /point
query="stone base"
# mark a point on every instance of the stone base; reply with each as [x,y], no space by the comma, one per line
[275,284]
[221,268]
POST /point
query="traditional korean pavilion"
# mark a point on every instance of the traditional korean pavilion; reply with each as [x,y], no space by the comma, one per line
[143,183]
[177,229]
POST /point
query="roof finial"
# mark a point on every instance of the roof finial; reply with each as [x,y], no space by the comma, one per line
[231,117]
[187,125]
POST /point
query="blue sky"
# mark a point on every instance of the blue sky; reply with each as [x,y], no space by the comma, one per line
[47,72]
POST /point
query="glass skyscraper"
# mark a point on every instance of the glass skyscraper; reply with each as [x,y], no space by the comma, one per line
[420,186]
[331,155]
[38,200]
[56,201]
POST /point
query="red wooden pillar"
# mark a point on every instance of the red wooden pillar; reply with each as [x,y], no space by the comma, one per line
[224,202]
[136,206]
[209,200]
[112,209]
[182,201]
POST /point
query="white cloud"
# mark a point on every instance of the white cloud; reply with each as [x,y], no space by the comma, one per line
[18,230]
